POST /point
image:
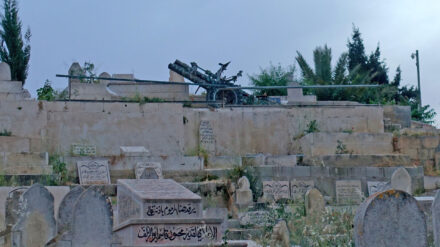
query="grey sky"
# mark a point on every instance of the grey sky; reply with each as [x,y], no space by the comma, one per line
[142,37]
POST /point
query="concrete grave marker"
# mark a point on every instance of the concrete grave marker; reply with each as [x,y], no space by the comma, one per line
[314,203]
[348,192]
[36,223]
[93,172]
[80,149]
[253,218]
[148,170]
[243,195]
[276,189]
[435,209]
[206,137]
[401,180]
[390,219]
[298,188]
[65,210]
[92,220]
[376,186]
[161,212]
[156,199]
[5,72]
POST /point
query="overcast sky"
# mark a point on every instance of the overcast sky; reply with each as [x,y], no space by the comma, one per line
[142,37]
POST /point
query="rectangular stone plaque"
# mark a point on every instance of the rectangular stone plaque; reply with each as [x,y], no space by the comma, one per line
[176,235]
[348,192]
[376,186]
[79,149]
[276,189]
[93,172]
[298,188]
[206,136]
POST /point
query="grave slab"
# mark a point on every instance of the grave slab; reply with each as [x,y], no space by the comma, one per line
[348,192]
[93,172]
[156,199]
[276,189]
[376,186]
[298,188]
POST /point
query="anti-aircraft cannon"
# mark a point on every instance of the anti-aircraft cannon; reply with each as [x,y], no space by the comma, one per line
[211,82]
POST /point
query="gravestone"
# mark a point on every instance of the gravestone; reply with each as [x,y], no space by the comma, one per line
[75,70]
[390,219]
[314,203]
[93,172]
[376,186]
[259,218]
[243,195]
[36,223]
[65,210]
[5,72]
[161,212]
[92,220]
[281,235]
[148,170]
[348,192]
[276,189]
[298,188]
[81,149]
[206,137]
[401,180]
[104,75]
[435,209]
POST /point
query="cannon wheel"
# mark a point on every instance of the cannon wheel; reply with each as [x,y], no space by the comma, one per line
[230,97]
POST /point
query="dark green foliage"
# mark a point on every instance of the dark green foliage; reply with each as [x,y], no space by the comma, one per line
[5,133]
[312,127]
[273,76]
[60,172]
[46,92]
[356,51]
[355,67]
[13,50]
[89,71]
[251,174]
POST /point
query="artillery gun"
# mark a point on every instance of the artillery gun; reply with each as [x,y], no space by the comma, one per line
[211,82]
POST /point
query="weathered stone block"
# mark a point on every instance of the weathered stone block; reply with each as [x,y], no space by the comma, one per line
[93,172]
[281,160]
[349,192]
[298,188]
[401,180]
[276,189]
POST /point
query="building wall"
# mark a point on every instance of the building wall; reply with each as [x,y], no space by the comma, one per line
[170,129]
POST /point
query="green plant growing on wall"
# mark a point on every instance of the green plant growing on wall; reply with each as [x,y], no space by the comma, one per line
[341,148]
[254,179]
[59,168]
[312,127]
[4,132]
[46,92]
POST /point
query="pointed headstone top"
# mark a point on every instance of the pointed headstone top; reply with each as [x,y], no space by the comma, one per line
[5,72]
[401,180]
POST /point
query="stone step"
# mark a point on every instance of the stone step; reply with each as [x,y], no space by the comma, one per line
[325,143]
[243,234]
[13,144]
[358,160]
[24,163]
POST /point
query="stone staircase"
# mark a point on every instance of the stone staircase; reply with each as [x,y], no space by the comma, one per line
[16,158]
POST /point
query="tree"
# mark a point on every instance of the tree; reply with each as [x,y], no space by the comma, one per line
[354,67]
[13,50]
[356,51]
[273,76]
